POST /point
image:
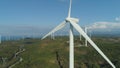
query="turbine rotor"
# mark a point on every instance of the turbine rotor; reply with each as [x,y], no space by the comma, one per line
[76,20]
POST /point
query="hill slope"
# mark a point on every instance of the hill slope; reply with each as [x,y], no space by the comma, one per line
[55,53]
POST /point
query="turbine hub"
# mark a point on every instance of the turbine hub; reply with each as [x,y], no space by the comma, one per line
[72,19]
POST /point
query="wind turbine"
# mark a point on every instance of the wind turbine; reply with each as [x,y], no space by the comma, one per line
[74,24]
[86,39]
[0,39]
[53,36]
[80,37]
[90,33]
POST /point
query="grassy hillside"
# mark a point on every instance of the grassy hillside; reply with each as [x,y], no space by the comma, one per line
[49,53]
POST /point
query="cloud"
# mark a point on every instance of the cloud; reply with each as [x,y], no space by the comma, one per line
[117,18]
[104,26]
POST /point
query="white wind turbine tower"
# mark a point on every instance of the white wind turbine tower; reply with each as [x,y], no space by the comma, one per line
[86,44]
[74,24]
[0,39]
[53,36]
[90,33]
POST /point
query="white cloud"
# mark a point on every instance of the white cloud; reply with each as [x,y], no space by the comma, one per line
[117,18]
[105,25]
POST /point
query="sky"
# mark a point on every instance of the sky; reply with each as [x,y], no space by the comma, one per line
[19,17]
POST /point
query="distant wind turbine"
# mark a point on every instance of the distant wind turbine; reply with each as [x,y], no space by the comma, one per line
[74,24]
[86,44]
[52,36]
[90,33]
[0,39]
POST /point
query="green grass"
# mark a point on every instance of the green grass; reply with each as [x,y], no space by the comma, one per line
[42,53]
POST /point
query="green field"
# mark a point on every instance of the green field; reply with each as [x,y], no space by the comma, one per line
[49,53]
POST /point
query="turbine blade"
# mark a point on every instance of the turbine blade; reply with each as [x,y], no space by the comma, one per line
[69,12]
[60,26]
[80,30]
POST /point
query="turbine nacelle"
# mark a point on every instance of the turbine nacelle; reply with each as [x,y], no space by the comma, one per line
[72,19]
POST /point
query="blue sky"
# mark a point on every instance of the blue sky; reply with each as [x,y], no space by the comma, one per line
[36,16]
